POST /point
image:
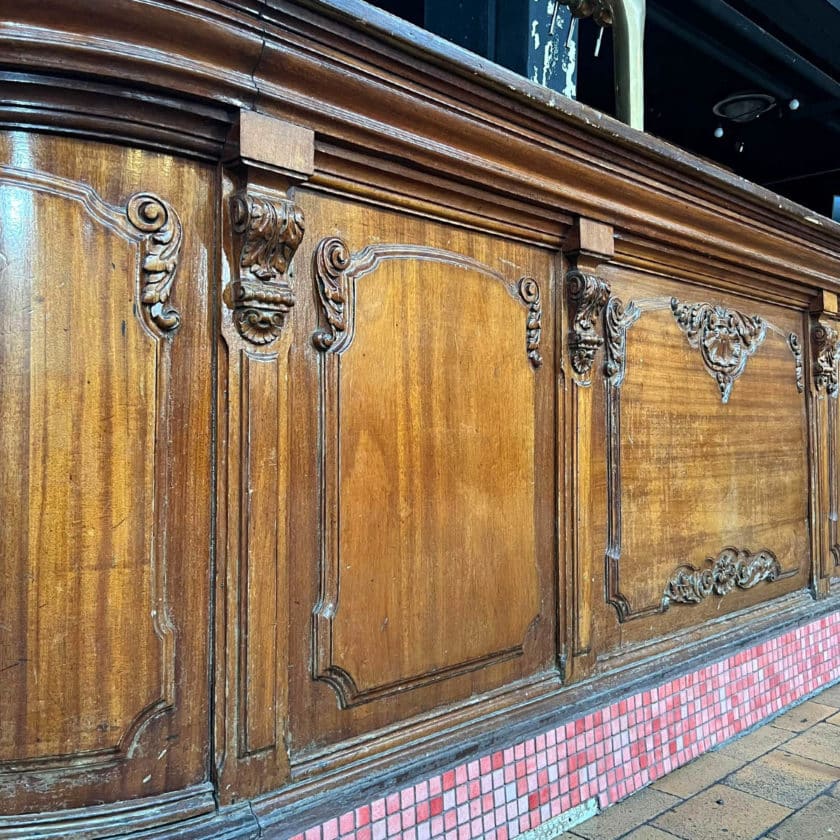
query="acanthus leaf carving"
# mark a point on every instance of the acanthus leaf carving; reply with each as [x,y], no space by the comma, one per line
[796,348]
[618,318]
[161,249]
[725,338]
[261,296]
[529,291]
[826,344]
[733,567]
[331,261]
[588,294]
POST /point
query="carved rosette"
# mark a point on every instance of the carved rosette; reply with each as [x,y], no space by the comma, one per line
[331,261]
[529,291]
[733,567]
[588,294]
[725,338]
[796,348]
[261,296]
[826,345]
[618,318]
[161,248]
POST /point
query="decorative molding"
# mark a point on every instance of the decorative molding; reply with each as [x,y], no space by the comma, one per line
[152,230]
[725,338]
[529,291]
[336,272]
[331,261]
[796,348]
[161,249]
[261,296]
[826,346]
[618,318]
[588,294]
[732,567]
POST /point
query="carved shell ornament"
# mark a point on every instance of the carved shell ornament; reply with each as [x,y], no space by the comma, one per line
[725,338]
[732,567]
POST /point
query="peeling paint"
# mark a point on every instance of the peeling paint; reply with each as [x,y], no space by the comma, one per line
[552,57]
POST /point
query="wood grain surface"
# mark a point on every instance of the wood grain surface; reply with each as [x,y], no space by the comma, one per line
[105,478]
[363,406]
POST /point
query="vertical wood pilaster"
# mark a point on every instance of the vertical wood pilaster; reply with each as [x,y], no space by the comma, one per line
[823,422]
[261,231]
[588,247]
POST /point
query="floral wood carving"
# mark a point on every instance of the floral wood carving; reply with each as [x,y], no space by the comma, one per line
[796,348]
[529,291]
[826,345]
[161,249]
[588,294]
[261,296]
[332,259]
[725,338]
[732,567]
[618,318]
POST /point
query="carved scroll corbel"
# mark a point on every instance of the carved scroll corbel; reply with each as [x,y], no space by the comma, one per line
[161,249]
[588,294]
[826,350]
[331,262]
[262,296]
[529,291]
[796,348]
[618,318]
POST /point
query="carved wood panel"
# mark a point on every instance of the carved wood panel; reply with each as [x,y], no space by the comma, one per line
[434,388]
[402,436]
[704,460]
[93,635]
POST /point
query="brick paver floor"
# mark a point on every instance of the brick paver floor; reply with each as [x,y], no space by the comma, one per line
[780,781]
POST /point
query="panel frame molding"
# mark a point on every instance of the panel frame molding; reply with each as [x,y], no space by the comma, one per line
[152,227]
[336,271]
[618,318]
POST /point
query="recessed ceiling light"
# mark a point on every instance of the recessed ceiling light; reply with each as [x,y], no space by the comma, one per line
[744,107]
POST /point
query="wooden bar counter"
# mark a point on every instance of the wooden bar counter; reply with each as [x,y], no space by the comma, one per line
[365,407]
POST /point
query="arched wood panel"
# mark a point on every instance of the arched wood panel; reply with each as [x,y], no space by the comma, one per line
[103,634]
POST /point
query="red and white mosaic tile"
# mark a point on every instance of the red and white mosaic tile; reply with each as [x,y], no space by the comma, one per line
[607,754]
